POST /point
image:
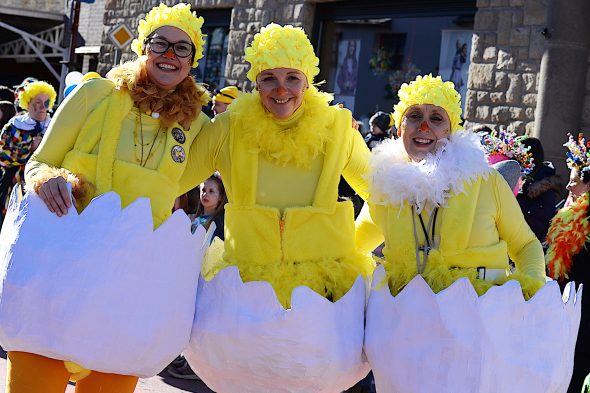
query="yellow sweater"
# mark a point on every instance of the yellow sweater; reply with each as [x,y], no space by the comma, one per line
[283,223]
[93,134]
[478,225]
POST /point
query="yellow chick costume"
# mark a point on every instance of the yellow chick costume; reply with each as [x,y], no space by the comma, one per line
[101,139]
[479,222]
[284,223]
[284,226]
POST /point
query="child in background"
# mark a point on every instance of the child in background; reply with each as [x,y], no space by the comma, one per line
[211,207]
[209,199]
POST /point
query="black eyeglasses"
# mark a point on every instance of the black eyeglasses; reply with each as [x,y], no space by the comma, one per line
[160,45]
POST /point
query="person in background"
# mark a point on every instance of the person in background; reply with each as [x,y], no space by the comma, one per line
[6,94]
[7,112]
[20,87]
[22,135]
[380,124]
[223,98]
[568,255]
[540,190]
[504,146]
[211,206]
[210,199]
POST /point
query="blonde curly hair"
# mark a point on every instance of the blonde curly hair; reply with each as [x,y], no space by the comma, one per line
[32,90]
[282,47]
[429,90]
[179,16]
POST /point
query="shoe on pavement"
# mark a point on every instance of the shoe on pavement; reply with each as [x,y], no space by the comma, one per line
[183,371]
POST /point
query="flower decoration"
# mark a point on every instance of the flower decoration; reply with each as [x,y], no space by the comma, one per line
[33,89]
[578,156]
[429,90]
[179,16]
[381,61]
[282,47]
[509,145]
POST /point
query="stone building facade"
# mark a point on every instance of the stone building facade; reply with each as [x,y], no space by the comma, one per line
[511,38]
[53,6]
[508,45]
[247,17]
[530,70]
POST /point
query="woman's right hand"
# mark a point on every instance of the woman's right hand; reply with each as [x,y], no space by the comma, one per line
[54,192]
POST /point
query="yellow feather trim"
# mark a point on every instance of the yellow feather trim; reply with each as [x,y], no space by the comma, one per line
[182,105]
[78,372]
[82,190]
[567,236]
[331,278]
[295,142]
[439,276]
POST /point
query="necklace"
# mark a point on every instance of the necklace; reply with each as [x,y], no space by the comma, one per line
[425,249]
[151,150]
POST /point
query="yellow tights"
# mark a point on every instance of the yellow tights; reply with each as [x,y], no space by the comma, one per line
[30,373]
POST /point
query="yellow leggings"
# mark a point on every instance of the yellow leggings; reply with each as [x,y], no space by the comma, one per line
[30,373]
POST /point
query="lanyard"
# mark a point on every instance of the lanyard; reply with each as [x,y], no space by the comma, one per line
[421,265]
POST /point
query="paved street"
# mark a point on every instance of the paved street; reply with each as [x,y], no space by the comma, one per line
[162,383]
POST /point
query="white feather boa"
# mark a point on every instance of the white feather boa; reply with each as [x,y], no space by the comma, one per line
[395,179]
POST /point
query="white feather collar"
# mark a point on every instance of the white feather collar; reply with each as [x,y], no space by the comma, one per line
[26,123]
[394,179]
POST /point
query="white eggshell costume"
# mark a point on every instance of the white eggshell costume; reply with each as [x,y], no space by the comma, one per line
[242,333]
[457,342]
[102,288]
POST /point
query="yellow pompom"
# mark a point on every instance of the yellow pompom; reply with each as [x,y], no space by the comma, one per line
[282,47]
[179,16]
[429,90]
[32,90]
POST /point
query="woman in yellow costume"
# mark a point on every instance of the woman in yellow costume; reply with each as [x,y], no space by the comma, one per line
[281,151]
[129,134]
[447,216]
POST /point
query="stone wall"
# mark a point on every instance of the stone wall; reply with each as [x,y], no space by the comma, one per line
[90,26]
[247,20]
[508,44]
[247,17]
[54,6]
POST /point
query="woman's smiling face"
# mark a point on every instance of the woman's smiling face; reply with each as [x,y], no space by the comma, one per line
[281,90]
[167,69]
[421,128]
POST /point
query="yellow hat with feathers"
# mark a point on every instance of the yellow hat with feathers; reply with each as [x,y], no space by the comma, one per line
[429,90]
[282,47]
[179,16]
[33,89]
